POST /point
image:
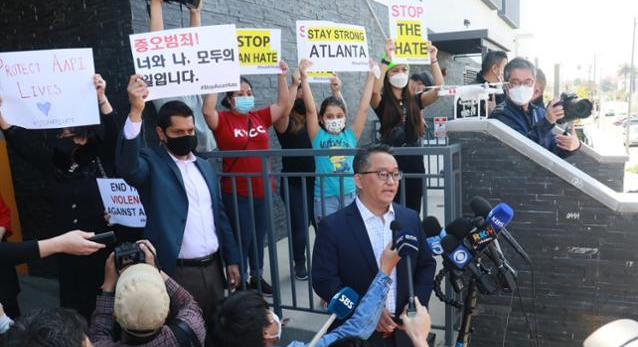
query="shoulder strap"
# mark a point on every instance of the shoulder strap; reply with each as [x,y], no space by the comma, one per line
[183,333]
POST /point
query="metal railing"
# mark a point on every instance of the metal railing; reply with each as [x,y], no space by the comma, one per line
[442,172]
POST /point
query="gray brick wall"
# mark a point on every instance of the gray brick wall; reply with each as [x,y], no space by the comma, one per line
[610,174]
[584,254]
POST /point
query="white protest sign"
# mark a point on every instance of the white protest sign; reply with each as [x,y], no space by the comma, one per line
[320,76]
[259,51]
[48,89]
[121,202]
[188,61]
[408,28]
[439,126]
[332,46]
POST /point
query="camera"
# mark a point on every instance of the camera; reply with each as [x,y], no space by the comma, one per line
[574,107]
[128,254]
[187,3]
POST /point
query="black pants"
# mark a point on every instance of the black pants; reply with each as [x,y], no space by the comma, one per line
[299,225]
[80,280]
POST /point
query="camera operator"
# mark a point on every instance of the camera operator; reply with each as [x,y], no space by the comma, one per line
[136,305]
[536,123]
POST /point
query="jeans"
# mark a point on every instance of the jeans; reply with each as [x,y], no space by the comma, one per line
[299,225]
[332,203]
[245,231]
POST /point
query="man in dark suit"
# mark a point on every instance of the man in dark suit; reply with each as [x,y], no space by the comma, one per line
[185,216]
[350,241]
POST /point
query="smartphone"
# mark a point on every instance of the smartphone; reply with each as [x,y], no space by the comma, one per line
[106,238]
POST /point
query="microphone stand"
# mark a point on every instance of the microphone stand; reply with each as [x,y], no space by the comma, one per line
[469,309]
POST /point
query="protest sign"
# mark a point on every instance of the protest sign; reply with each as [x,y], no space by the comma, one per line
[48,89]
[332,46]
[122,203]
[320,76]
[188,61]
[439,127]
[259,51]
[410,33]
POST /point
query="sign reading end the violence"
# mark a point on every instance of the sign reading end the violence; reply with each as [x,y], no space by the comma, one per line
[410,33]
[122,203]
[187,61]
[333,46]
[259,51]
[48,89]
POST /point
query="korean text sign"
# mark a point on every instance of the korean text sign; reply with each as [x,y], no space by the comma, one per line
[122,203]
[409,31]
[333,46]
[48,89]
[259,51]
[187,61]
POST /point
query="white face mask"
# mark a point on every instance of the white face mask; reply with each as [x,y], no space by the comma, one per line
[275,318]
[399,80]
[335,126]
[521,95]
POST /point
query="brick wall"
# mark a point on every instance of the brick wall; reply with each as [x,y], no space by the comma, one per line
[583,253]
[610,173]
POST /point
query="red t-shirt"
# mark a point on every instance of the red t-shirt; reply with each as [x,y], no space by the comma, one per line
[237,132]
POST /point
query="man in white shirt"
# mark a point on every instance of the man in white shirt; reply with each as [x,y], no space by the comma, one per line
[185,216]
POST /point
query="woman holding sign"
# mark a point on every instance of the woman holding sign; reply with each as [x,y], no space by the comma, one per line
[399,111]
[241,128]
[327,130]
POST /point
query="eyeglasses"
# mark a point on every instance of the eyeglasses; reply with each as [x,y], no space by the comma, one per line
[385,175]
[526,83]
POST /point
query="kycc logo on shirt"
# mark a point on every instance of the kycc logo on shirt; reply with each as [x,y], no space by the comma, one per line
[253,132]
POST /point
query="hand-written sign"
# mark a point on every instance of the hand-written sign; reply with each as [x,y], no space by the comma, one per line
[122,203]
[259,51]
[332,46]
[187,61]
[409,31]
[48,89]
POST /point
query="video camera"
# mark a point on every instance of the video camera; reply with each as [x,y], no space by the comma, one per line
[128,254]
[188,3]
[575,107]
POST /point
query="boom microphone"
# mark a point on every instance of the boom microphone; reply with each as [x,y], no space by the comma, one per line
[341,306]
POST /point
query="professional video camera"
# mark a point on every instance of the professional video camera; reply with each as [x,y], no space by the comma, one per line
[575,107]
[128,254]
[187,3]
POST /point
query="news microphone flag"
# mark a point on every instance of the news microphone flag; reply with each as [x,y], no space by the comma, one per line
[341,306]
[433,233]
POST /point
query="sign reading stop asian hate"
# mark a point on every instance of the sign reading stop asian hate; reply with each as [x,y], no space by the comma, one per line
[410,33]
[188,61]
[259,51]
[333,46]
[48,89]
[122,203]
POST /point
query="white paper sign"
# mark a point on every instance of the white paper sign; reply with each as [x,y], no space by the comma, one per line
[333,46]
[259,51]
[323,77]
[409,30]
[439,126]
[48,89]
[121,202]
[187,61]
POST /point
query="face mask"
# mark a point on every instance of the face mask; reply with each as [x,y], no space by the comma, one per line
[181,145]
[521,95]
[64,145]
[275,318]
[335,126]
[299,107]
[243,104]
[399,80]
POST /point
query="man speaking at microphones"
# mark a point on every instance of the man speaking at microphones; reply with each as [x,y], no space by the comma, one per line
[350,242]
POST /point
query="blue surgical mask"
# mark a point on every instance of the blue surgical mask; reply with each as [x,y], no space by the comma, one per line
[243,104]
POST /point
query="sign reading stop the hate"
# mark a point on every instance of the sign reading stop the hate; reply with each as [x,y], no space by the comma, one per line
[121,202]
[410,33]
[259,51]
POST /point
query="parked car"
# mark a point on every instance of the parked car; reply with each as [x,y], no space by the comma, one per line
[633,133]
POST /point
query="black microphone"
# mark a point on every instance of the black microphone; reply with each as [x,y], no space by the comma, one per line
[461,258]
[433,234]
[408,246]
[506,275]
[395,226]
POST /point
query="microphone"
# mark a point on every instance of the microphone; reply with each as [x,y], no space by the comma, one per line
[341,306]
[433,233]
[462,258]
[395,226]
[408,246]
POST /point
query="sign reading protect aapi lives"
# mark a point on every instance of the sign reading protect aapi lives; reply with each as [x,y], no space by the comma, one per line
[410,33]
[121,202]
[259,51]
[332,46]
[48,89]
[188,61]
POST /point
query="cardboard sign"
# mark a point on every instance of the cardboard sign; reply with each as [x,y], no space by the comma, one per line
[410,33]
[122,203]
[259,51]
[333,46]
[439,126]
[320,76]
[187,61]
[48,89]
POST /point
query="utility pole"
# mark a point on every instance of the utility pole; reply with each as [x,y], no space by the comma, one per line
[631,87]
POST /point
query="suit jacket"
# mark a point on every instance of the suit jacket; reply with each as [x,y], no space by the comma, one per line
[343,257]
[159,182]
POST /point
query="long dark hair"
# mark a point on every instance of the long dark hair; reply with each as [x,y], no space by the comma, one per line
[330,101]
[393,112]
[226,100]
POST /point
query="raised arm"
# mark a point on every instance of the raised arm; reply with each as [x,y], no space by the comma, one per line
[196,15]
[157,19]
[378,83]
[335,88]
[100,89]
[209,109]
[429,97]
[312,119]
[360,120]
[278,109]
[282,124]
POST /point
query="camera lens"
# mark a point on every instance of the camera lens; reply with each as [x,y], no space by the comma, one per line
[582,108]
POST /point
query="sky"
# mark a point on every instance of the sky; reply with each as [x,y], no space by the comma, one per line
[571,32]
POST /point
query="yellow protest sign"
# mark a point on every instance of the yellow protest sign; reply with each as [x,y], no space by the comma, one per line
[409,31]
[259,51]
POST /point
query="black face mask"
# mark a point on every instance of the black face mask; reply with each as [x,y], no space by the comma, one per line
[181,145]
[64,145]
[299,107]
